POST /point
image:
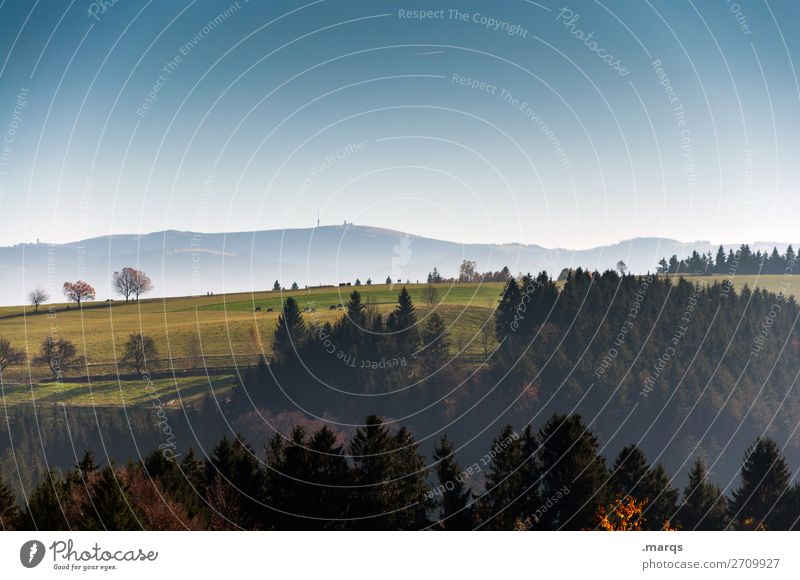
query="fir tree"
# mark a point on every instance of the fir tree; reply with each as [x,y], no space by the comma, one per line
[111,504]
[290,333]
[391,479]
[45,510]
[512,482]
[629,473]
[704,507]
[402,322]
[720,265]
[9,511]
[662,499]
[759,500]
[455,505]
[434,354]
[570,462]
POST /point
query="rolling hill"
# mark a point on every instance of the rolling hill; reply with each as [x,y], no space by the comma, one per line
[191,263]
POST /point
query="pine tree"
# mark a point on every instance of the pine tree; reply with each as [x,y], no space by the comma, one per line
[507,327]
[629,473]
[662,499]
[704,507]
[392,492]
[286,484]
[434,354]
[650,487]
[455,506]
[790,258]
[234,472]
[111,505]
[328,469]
[570,462]
[512,481]
[45,510]
[371,448]
[410,490]
[9,511]
[506,312]
[290,333]
[759,500]
[402,322]
[720,265]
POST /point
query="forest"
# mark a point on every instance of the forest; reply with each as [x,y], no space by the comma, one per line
[600,374]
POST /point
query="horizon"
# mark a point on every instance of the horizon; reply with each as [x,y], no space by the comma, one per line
[778,244]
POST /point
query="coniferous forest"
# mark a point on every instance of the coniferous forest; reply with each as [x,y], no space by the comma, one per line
[607,402]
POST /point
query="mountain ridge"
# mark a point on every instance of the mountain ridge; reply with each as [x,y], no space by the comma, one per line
[189,262]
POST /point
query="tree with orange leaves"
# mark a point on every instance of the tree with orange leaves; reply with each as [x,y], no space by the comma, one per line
[625,514]
[78,291]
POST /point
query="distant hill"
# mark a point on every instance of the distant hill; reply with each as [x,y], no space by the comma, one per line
[186,263]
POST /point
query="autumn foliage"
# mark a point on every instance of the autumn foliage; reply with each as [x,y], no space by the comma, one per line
[78,291]
[623,515]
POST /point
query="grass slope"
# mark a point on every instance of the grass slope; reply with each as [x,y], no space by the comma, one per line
[231,334]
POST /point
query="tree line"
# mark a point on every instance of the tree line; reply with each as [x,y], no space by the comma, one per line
[677,361]
[551,479]
[743,261]
[60,355]
[129,283]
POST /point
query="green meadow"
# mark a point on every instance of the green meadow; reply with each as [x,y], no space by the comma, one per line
[223,333]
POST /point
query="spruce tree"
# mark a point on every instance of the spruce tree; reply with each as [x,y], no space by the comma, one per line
[759,502]
[507,327]
[329,470]
[512,481]
[45,510]
[391,479]
[9,511]
[290,333]
[662,499]
[111,505]
[434,354]
[704,507]
[506,312]
[412,502]
[236,473]
[402,322]
[629,473]
[371,448]
[287,489]
[720,265]
[455,505]
[570,462]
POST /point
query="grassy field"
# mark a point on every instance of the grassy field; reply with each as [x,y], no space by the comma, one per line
[230,330]
[789,285]
[231,333]
[171,392]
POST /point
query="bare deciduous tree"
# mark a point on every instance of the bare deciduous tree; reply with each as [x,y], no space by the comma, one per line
[131,282]
[194,351]
[59,354]
[9,355]
[138,350]
[142,284]
[38,297]
[124,282]
[486,338]
[466,271]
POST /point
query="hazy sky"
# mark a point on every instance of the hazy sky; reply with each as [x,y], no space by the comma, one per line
[562,124]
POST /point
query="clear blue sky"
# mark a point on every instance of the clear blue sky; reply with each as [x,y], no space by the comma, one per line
[267,113]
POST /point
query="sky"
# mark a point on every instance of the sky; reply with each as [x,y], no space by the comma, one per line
[560,124]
